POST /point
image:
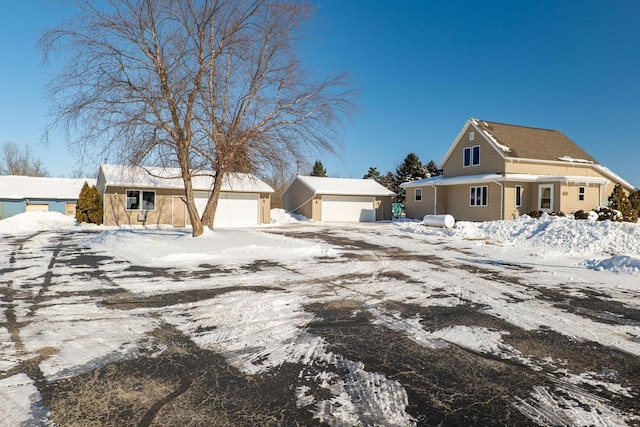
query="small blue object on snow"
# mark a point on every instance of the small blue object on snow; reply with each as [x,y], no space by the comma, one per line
[446,221]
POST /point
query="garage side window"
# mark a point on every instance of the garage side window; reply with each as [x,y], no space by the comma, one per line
[418,194]
[141,200]
[518,195]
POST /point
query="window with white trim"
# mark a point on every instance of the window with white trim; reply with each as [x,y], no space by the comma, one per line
[518,195]
[471,136]
[471,156]
[479,196]
[582,194]
[141,200]
[418,195]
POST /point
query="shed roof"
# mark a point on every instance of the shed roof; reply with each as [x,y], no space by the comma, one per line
[344,186]
[30,187]
[157,177]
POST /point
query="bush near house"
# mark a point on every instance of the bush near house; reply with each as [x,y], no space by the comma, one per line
[89,206]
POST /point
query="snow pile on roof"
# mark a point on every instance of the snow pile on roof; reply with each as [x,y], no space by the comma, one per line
[156,177]
[572,160]
[31,222]
[495,141]
[345,186]
[25,187]
[616,245]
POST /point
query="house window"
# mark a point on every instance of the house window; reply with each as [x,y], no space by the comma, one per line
[582,193]
[418,195]
[518,195]
[472,156]
[479,196]
[141,200]
[471,136]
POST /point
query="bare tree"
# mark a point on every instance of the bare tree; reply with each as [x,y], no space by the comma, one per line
[15,160]
[195,84]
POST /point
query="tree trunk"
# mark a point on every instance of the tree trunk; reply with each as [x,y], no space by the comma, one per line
[212,204]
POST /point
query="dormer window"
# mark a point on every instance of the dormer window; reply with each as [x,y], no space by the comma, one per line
[471,156]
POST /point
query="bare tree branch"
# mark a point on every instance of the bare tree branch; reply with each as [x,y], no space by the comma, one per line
[204,85]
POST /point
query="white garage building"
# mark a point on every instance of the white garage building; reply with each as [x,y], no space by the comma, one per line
[338,199]
[151,195]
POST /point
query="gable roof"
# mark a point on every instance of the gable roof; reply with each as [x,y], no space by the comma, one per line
[523,142]
[157,177]
[17,187]
[344,186]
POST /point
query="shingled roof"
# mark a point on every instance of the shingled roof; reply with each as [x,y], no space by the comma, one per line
[533,143]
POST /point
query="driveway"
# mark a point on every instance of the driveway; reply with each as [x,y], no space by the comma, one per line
[394,331]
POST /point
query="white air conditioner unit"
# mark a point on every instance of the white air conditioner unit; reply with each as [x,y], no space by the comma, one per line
[142,216]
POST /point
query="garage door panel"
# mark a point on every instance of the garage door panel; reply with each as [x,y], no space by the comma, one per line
[234,210]
[348,208]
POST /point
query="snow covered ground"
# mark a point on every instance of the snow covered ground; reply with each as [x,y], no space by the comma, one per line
[257,330]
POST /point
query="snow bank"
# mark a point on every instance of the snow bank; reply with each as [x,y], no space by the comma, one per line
[30,222]
[177,248]
[280,216]
[547,233]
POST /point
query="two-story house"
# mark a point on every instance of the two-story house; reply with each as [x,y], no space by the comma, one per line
[501,171]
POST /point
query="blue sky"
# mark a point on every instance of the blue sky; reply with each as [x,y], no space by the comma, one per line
[422,68]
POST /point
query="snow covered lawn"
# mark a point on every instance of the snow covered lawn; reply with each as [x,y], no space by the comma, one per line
[507,322]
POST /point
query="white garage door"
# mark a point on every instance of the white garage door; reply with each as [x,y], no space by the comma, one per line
[37,208]
[234,209]
[348,208]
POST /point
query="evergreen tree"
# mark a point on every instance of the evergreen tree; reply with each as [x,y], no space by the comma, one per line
[89,206]
[410,169]
[432,169]
[318,169]
[373,173]
[619,201]
[634,199]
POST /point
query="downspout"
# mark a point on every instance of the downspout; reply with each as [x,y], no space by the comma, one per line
[435,199]
[501,199]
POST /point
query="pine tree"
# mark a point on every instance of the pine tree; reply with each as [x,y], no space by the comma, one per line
[409,170]
[619,201]
[373,173]
[634,199]
[432,169]
[89,206]
[82,205]
[318,169]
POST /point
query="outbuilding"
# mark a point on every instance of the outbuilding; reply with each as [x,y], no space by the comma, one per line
[338,199]
[19,194]
[134,195]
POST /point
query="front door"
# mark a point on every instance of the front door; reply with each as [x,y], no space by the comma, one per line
[545,197]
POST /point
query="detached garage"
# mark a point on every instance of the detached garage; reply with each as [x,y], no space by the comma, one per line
[19,194]
[338,199]
[141,196]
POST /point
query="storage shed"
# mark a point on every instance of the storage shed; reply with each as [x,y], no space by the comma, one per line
[338,199]
[152,195]
[19,194]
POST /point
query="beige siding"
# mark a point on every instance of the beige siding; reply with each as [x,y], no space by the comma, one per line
[573,169]
[316,208]
[383,208]
[296,199]
[511,211]
[116,213]
[490,160]
[570,202]
[458,203]
[265,208]
[421,208]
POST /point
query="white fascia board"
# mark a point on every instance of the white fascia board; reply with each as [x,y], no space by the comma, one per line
[608,172]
